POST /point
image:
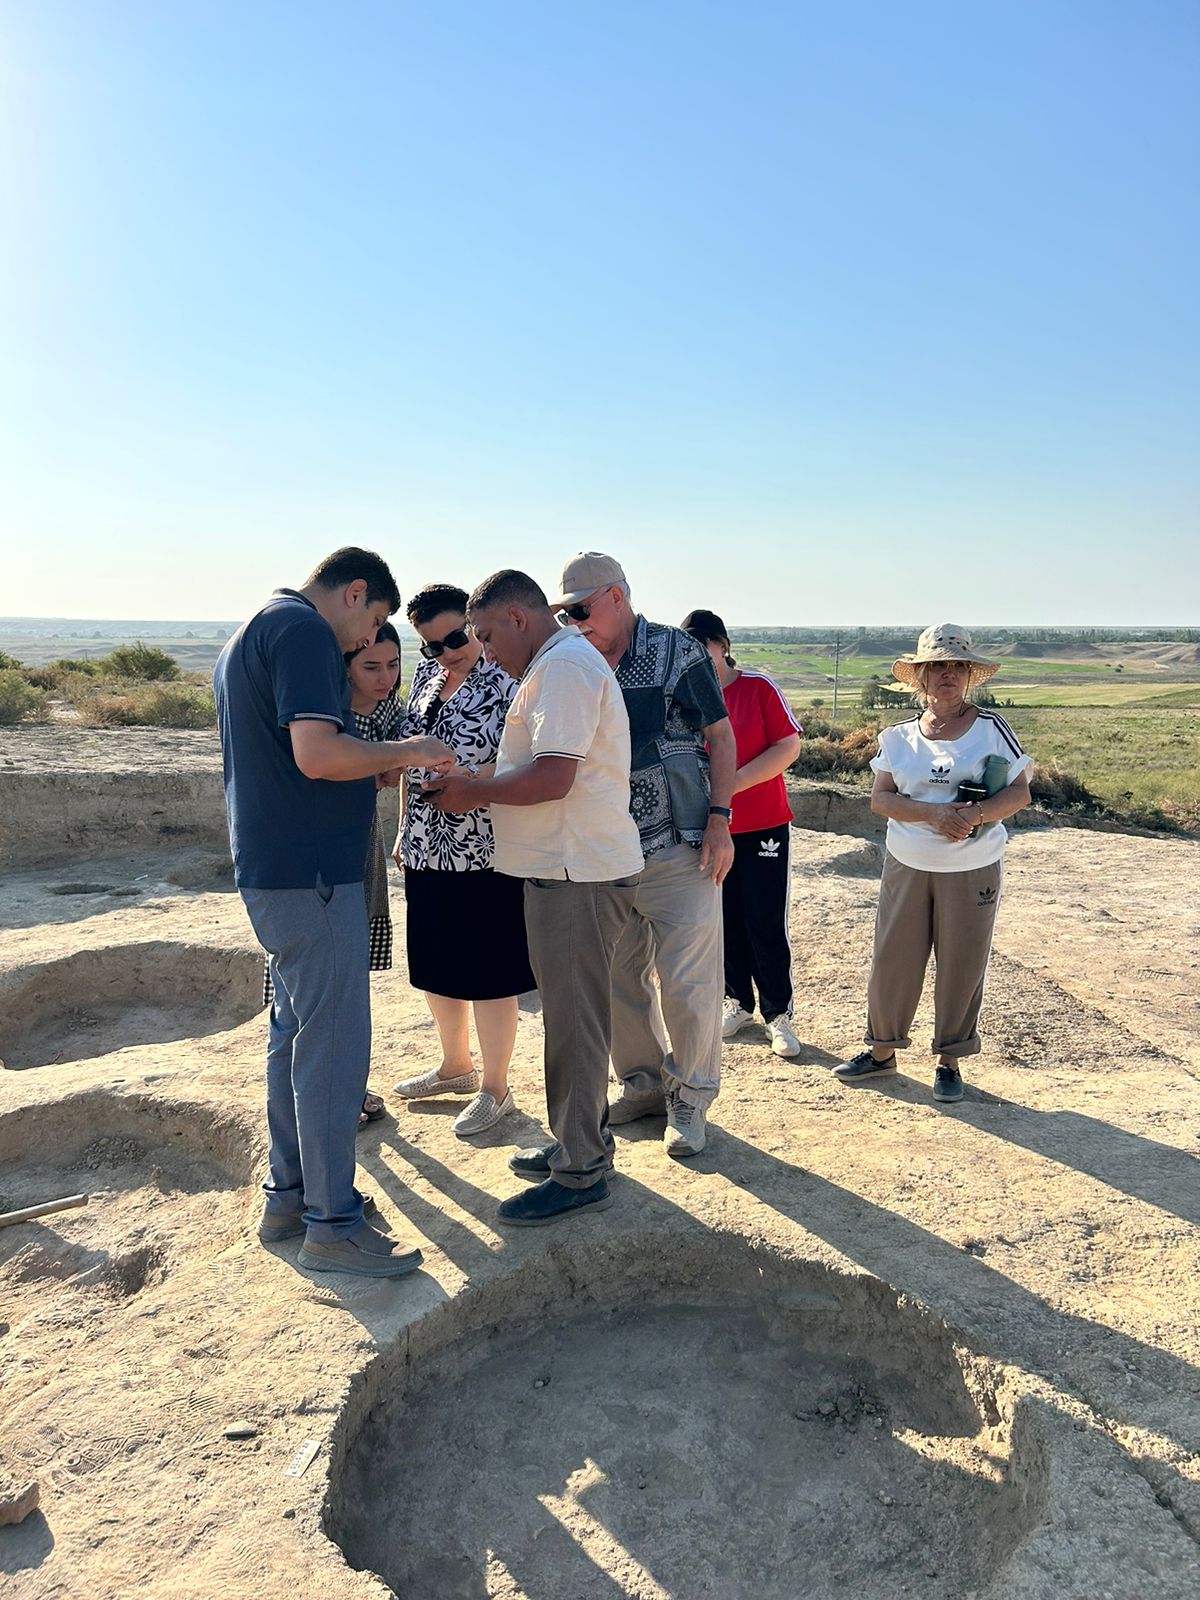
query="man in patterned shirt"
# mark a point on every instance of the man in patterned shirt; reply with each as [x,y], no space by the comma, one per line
[680,798]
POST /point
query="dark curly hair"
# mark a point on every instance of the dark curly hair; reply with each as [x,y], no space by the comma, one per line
[432,600]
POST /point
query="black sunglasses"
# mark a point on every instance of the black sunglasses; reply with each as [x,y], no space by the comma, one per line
[453,641]
[579,612]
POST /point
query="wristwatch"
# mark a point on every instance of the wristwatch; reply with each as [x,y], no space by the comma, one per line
[720,811]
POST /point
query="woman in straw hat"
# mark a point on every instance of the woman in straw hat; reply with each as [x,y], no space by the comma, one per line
[944,866]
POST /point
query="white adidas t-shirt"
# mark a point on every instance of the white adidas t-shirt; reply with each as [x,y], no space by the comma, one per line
[931,770]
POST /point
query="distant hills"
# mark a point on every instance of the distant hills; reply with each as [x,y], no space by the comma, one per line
[196,644]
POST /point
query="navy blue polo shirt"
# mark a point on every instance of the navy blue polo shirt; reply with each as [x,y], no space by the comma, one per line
[285,665]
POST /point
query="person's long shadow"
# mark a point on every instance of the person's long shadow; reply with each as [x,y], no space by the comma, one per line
[27,1545]
[1159,1174]
[465,1248]
[1116,1375]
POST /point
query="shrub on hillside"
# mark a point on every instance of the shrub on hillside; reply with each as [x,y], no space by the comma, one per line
[838,752]
[9,663]
[139,661]
[62,677]
[1057,789]
[80,665]
[145,705]
[818,727]
[179,705]
[19,701]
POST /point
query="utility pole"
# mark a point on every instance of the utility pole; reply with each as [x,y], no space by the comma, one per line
[837,657]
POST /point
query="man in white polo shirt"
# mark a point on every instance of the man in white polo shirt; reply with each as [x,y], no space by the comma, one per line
[559,797]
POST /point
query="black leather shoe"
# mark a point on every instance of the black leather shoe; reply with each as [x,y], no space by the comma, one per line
[947,1084]
[550,1201]
[535,1163]
[864,1065]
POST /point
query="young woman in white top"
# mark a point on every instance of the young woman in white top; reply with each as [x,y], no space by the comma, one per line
[944,866]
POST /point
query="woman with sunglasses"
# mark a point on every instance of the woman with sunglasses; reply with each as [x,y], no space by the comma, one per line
[466,923]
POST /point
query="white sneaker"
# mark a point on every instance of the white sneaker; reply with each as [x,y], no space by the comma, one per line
[483,1113]
[783,1041]
[733,1018]
[429,1084]
[685,1133]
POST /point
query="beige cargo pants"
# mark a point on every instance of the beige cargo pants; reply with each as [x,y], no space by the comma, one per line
[951,913]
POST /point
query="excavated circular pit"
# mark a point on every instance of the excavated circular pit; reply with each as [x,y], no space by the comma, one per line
[70,889]
[698,1417]
[93,1002]
[149,1167]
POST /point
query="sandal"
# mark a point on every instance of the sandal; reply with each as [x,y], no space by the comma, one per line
[372,1109]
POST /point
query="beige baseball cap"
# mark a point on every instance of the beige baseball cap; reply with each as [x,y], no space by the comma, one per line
[584,574]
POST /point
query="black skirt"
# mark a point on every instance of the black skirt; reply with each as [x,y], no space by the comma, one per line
[466,934]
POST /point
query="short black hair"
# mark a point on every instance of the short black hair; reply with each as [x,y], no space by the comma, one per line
[432,600]
[385,635]
[350,563]
[707,628]
[508,588]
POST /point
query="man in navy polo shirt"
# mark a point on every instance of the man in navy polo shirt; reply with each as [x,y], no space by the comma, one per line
[300,793]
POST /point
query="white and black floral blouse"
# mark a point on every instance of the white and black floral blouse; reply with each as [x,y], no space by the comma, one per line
[470,722]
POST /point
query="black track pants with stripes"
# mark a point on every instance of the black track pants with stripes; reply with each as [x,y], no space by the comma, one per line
[754,903]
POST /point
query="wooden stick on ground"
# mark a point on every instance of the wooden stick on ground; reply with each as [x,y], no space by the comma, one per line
[43,1210]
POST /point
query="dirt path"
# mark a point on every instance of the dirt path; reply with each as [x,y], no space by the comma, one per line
[997,1303]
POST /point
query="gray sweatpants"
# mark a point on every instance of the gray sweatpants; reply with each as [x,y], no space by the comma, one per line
[573,929]
[675,929]
[951,913]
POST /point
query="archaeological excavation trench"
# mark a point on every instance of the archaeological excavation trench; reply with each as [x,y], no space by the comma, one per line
[91,1002]
[713,1419]
[148,1167]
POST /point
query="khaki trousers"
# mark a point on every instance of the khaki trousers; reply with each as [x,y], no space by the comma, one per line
[675,929]
[951,913]
[573,929]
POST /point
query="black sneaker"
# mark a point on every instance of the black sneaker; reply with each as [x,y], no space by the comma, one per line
[550,1201]
[864,1065]
[947,1084]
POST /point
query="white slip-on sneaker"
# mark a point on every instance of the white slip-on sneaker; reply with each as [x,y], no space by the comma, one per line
[429,1084]
[734,1018]
[483,1113]
[685,1133]
[783,1041]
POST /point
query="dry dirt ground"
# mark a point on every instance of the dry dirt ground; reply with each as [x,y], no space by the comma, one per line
[863,1346]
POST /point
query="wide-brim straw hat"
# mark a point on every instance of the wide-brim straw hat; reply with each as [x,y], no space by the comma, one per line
[944,641]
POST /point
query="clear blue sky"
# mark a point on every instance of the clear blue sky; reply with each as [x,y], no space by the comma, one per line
[808,313]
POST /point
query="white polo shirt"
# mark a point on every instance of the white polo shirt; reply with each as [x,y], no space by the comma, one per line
[568,704]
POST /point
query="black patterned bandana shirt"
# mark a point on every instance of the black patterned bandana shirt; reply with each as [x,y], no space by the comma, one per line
[672,694]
